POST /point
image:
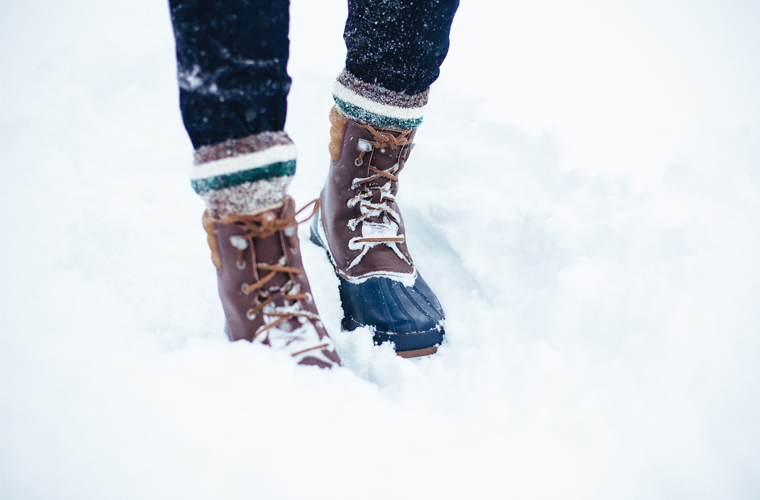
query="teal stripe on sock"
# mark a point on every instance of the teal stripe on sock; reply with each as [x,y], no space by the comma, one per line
[256,174]
[381,121]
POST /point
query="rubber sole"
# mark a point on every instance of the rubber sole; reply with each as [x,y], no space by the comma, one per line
[417,353]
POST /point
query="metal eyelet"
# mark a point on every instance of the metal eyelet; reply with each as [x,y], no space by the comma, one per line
[250,314]
[309,298]
[243,288]
[240,264]
[358,163]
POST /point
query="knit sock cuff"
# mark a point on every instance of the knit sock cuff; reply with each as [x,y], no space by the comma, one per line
[242,175]
[377,106]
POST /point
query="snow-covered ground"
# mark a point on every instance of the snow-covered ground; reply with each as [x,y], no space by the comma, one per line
[584,197]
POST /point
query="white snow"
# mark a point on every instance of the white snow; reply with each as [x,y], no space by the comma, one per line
[238,242]
[584,197]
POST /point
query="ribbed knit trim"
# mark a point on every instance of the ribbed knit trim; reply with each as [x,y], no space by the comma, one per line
[382,95]
[246,197]
[242,175]
[378,106]
[244,145]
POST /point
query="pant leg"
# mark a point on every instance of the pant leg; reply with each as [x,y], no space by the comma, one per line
[232,57]
[232,60]
[394,51]
[398,44]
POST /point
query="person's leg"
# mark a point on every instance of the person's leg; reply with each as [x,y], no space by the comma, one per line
[395,49]
[394,52]
[232,57]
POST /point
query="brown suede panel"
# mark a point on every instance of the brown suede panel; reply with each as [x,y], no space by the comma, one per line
[208,225]
[337,127]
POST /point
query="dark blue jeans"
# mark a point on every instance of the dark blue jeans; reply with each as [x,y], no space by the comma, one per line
[232,57]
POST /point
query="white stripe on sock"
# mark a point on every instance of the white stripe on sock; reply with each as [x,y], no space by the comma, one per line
[242,163]
[351,97]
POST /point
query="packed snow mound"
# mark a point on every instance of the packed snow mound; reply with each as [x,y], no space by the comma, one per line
[584,198]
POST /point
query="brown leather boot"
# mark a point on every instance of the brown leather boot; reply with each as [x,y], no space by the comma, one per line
[265,293]
[362,230]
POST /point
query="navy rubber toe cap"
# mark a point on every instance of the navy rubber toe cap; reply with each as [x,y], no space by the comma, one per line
[408,316]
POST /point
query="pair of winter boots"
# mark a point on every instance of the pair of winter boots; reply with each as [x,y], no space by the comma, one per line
[262,284]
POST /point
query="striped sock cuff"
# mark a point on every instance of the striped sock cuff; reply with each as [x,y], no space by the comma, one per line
[243,175]
[377,106]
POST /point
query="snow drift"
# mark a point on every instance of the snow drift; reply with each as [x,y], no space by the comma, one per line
[584,198]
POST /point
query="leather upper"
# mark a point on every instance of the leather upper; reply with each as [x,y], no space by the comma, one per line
[338,211]
[239,269]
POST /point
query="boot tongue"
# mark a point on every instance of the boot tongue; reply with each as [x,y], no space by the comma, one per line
[376,198]
[292,324]
[382,159]
[385,158]
[269,251]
